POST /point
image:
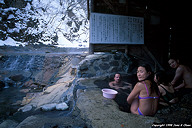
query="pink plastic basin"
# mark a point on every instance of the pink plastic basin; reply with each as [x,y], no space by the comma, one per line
[109,93]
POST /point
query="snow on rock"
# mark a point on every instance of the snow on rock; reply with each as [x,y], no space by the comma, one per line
[53,106]
[48,107]
[26,108]
[62,106]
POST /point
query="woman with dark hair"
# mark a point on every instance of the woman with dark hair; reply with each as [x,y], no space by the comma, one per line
[144,98]
[167,92]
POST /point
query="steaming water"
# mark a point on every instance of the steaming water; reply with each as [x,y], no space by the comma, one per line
[21,62]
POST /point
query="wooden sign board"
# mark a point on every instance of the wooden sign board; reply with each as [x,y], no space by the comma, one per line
[116,29]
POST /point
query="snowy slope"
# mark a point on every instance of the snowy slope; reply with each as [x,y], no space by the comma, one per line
[62,23]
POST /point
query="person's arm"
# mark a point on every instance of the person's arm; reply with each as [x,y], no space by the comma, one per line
[134,93]
[112,85]
[161,90]
[129,84]
[178,75]
[180,86]
[126,85]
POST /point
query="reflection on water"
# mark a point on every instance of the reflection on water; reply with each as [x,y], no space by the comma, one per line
[10,100]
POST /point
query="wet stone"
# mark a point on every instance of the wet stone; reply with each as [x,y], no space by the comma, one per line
[114,63]
[104,66]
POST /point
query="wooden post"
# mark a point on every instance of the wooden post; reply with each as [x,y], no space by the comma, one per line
[91,9]
[91,48]
[126,49]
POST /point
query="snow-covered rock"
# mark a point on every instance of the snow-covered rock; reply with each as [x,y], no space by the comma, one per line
[62,106]
[26,108]
[54,106]
[48,107]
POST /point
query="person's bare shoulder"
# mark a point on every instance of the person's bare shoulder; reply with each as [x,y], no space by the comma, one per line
[139,85]
[181,68]
[111,83]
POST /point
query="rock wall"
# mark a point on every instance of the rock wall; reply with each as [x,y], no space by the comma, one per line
[96,65]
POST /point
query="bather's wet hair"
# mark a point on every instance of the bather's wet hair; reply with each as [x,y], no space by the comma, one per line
[154,86]
[178,58]
[119,74]
[162,77]
[148,69]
